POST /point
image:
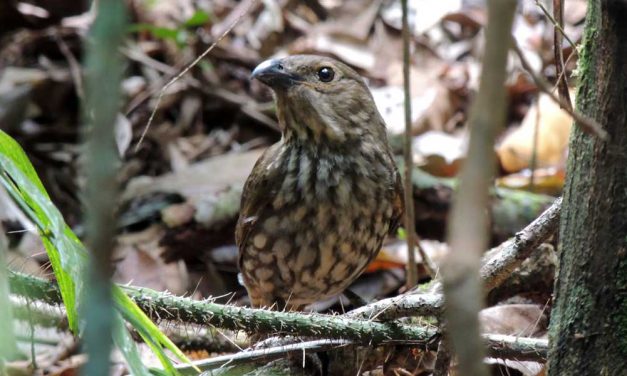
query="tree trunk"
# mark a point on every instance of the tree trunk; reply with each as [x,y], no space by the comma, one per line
[589,319]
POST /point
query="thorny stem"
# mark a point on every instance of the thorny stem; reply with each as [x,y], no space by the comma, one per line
[161,306]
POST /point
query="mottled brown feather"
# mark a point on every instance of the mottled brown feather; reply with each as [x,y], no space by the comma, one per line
[318,203]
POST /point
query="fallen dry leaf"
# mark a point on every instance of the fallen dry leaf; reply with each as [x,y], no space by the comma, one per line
[140,263]
[200,179]
[439,153]
[548,180]
[553,129]
[423,14]
[525,320]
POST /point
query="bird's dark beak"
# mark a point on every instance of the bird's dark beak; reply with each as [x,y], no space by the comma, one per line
[274,74]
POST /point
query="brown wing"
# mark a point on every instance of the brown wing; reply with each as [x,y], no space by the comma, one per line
[257,193]
[398,203]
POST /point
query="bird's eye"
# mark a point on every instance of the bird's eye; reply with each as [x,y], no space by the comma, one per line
[326,74]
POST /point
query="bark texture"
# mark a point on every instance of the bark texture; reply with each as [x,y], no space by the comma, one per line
[589,320]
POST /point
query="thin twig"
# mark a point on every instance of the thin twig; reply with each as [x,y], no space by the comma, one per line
[587,124]
[558,35]
[186,69]
[75,66]
[410,226]
[556,24]
[267,354]
[563,73]
[499,346]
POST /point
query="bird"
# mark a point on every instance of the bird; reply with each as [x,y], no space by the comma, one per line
[319,203]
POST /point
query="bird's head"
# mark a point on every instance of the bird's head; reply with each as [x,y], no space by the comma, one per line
[320,99]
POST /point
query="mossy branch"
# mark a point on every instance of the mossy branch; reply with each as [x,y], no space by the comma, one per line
[162,306]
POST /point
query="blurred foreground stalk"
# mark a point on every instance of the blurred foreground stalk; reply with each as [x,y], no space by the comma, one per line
[469,226]
[103,75]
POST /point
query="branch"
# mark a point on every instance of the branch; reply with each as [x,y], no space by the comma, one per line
[182,334]
[267,354]
[513,252]
[415,304]
[499,346]
[517,348]
[587,124]
[161,306]
[494,271]
[557,25]
[558,36]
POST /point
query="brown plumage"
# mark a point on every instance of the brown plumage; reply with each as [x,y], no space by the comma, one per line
[318,203]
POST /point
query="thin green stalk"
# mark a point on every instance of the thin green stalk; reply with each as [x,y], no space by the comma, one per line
[104,73]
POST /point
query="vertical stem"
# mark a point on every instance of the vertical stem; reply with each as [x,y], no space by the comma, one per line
[410,223]
[8,345]
[468,230]
[103,75]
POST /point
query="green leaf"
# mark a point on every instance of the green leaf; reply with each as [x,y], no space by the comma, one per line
[197,19]
[178,35]
[124,342]
[156,31]
[401,233]
[68,257]
[146,328]
[13,151]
